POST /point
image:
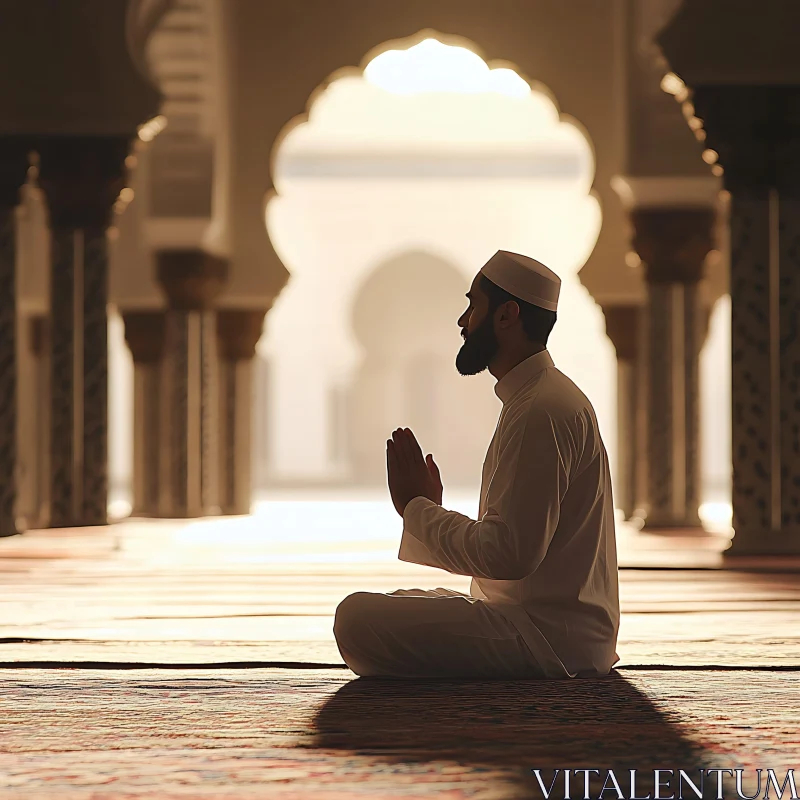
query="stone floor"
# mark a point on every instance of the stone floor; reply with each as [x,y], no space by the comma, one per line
[166,659]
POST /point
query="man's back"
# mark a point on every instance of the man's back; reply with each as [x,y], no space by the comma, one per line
[570,598]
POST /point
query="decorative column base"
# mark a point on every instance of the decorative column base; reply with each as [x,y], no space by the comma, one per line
[239,331]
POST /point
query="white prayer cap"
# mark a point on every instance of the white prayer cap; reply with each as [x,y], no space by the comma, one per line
[524,277]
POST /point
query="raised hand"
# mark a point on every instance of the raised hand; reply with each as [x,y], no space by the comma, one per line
[409,474]
[435,477]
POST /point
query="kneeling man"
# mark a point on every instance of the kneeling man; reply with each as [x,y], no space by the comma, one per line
[543,600]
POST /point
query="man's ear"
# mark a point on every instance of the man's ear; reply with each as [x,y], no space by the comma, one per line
[509,313]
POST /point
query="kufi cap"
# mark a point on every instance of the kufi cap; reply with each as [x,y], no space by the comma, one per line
[524,277]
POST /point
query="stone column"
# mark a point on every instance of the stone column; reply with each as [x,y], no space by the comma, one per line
[82,177]
[755,132]
[748,113]
[39,347]
[192,279]
[623,328]
[13,168]
[673,243]
[144,333]
[239,331]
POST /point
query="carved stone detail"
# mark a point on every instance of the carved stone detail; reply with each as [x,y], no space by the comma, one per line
[192,279]
[144,333]
[238,331]
[673,242]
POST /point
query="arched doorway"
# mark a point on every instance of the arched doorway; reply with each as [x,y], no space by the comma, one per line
[430,150]
[404,318]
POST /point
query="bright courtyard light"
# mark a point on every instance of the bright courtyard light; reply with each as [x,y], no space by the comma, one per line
[432,66]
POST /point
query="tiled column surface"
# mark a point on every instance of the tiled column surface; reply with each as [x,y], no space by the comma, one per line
[765,371]
[192,280]
[13,168]
[144,333]
[755,130]
[673,244]
[622,326]
[239,331]
[81,178]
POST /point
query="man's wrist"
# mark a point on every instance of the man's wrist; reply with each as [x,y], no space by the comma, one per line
[412,501]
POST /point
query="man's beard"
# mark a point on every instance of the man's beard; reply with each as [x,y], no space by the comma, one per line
[479,348]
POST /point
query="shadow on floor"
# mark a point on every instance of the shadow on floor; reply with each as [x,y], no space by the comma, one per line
[498,731]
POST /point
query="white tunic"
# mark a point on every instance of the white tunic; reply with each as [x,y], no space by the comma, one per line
[543,551]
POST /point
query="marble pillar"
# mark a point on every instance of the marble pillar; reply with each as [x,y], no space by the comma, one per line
[13,168]
[623,324]
[81,177]
[238,331]
[673,243]
[192,279]
[144,334]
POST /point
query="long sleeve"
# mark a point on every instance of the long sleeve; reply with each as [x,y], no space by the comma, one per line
[522,508]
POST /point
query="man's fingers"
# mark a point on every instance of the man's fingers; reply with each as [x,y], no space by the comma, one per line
[391,462]
[406,448]
[414,449]
[401,448]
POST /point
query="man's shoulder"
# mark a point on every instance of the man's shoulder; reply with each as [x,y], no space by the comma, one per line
[557,395]
[557,403]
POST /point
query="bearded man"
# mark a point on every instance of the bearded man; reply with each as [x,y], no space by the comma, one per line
[544,599]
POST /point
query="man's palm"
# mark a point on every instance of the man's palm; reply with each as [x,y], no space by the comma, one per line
[409,474]
[436,478]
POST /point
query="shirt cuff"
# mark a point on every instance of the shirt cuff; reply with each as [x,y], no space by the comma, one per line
[412,548]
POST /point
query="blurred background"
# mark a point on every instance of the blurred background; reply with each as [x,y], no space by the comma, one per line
[243,231]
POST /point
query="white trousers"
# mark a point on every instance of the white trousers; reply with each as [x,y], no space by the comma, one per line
[438,633]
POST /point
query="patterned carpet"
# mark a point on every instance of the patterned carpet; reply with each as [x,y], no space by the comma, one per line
[261,591]
[321,735]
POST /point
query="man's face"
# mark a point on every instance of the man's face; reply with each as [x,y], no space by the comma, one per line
[477,327]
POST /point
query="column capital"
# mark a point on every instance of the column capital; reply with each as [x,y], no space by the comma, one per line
[145,334]
[622,327]
[746,106]
[191,278]
[754,131]
[238,332]
[82,177]
[673,242]
[703,42]
[667,191]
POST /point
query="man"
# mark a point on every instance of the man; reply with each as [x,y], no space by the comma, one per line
[543,600]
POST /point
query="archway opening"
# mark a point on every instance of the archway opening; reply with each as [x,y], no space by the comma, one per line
[429,150]
[404,318]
